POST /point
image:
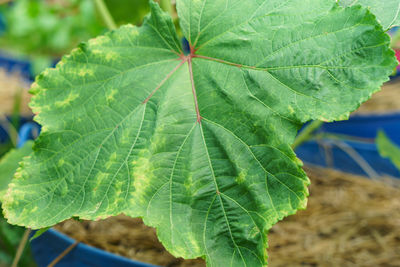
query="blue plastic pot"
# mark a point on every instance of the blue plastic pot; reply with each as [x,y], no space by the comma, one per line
[13,64]
[326,153]
[52,243]
[367,126]
[4,137]
[330,153]
[28,131]
[21,65]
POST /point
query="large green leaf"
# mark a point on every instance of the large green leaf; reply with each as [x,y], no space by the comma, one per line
[387,11]
[9,165]
[198,145]
[388,149]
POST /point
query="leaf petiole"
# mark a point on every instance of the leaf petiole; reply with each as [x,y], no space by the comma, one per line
[105,15]
[21,247]
[307,133]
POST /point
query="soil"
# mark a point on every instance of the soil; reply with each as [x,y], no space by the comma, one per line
[12,84]
[350,221]
[385,101]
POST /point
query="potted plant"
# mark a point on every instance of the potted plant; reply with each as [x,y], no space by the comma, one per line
[198,144]
[37,33]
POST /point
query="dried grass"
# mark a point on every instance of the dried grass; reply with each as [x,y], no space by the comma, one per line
[12,84]
[385,101]
[349,221]
[124,236]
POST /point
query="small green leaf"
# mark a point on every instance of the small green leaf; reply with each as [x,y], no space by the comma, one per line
[39,233]
[9,164]
[198,145]
[387,11]
[388,149]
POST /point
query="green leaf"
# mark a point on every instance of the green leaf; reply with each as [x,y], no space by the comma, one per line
[198,145]
[387,11]
[388,149]
[39,233]
[9,164]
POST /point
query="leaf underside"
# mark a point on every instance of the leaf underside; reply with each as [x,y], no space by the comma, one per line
[386,11]
[198,145]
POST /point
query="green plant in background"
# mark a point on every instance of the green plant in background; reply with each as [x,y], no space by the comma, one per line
[388,149]
[45,30]
[11,236]
[199,144]
[128,11]
[9,164]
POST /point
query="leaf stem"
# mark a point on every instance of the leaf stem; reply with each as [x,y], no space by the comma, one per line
[21,247]
[105,14]
[12,131]
[63,254]
[196,103]
[364,165]
[306,134]
[16,116]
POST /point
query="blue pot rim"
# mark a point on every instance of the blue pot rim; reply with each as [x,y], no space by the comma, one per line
[358,145]
[95,251]
[314,151]
[369,116]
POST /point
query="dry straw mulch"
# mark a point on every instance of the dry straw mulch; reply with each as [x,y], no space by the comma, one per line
[385,101]
[127,237]
[12,84]
[350,221]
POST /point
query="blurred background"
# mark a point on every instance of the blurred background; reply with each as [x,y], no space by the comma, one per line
[353,218]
